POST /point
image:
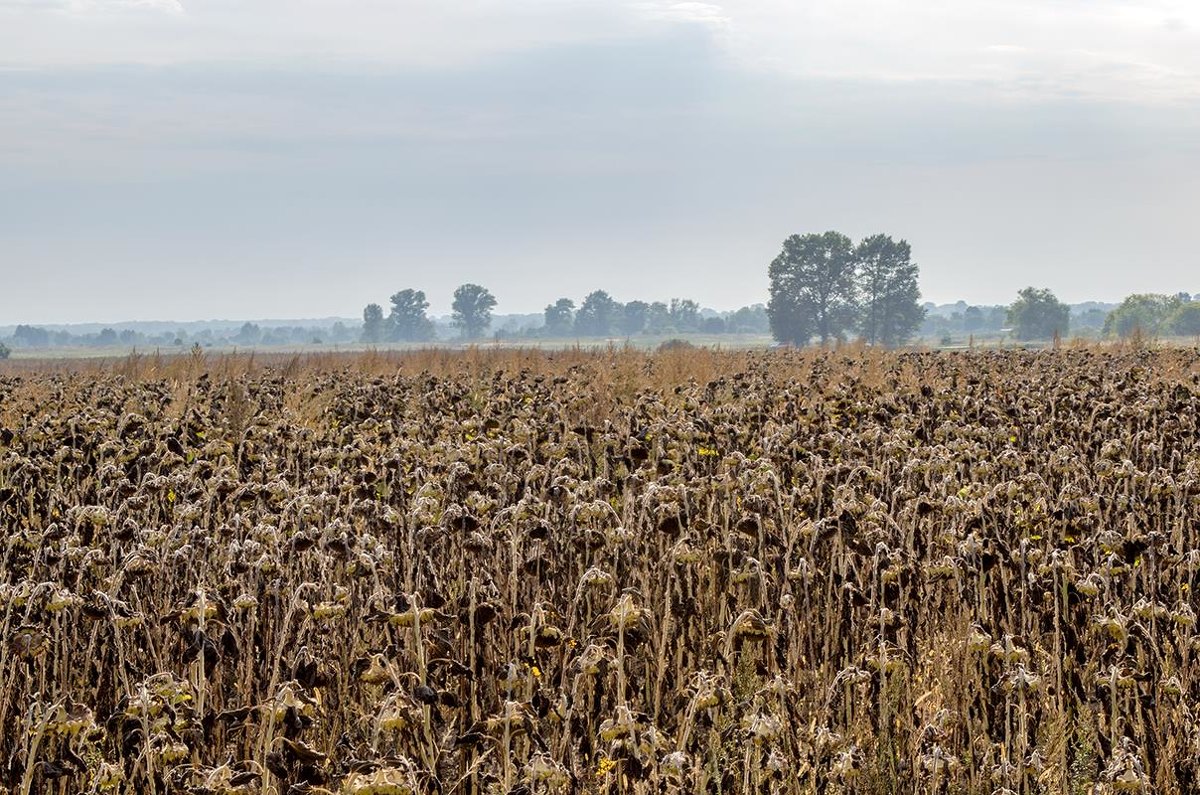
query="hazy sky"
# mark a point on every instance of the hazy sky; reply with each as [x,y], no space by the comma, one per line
[300,158]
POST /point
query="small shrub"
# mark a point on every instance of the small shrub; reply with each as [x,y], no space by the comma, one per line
[675,344]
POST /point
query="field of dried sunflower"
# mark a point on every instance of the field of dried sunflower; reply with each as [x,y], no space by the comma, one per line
[804,572]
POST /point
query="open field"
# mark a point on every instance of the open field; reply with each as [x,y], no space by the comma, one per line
[639,342]
[58,357]
[616,571]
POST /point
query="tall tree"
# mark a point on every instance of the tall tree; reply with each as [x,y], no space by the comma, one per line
[685,314]
[560,317]
[1185,320]
[891,311]
[248,334]
[31,337]
[597,315]
[633,318]
[749,319]
[1039,315]
[658,318]
[471,312]
[813,291]
[1143,313]
[373,323]
[407,321]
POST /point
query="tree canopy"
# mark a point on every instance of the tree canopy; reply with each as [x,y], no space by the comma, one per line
[1142,313]
[597,315]
[633,317]
[471,311]
[407,321]
[1185,320]
[813,291]
[1037,314]
[560,318]
[825,287]
[890,310]
[373,324]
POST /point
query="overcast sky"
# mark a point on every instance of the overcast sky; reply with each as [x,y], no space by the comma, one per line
[164,159]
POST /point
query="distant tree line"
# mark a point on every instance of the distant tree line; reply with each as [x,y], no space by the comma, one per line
[825,287]
[993,320]
[407,321]
[601,315]
[597,315]
[1037,314]
[1155,314]
[247,335]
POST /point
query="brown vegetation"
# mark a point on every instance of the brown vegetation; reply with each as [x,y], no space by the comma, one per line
[689,571]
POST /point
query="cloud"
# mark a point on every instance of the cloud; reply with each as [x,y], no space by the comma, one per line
[1104,49]
[89,8]
[645,165]
[405,33]
[710,14]
[557,144]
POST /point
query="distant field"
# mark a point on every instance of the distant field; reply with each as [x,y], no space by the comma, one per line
[728,342]
[724,341]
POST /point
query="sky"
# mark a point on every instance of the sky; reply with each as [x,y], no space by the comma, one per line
[192,159]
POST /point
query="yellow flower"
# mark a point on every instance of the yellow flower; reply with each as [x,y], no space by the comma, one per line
[605,766]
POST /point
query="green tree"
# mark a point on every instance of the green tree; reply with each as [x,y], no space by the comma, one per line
[633,318]
[813,290]
[1144,313]
[471,312]
[1038,315]
[4,351]
[407,321]
[31,337]
[1185,320]
[749,320]
[560,317]
[685,314]
[658,318]
[1090,318]
[373,325]
[973,319]
[248,334]
[597,315]
[891,309]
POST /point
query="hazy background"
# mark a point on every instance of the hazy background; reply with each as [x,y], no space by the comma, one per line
[223,158]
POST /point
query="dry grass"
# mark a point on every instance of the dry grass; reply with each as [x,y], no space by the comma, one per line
[515,571]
